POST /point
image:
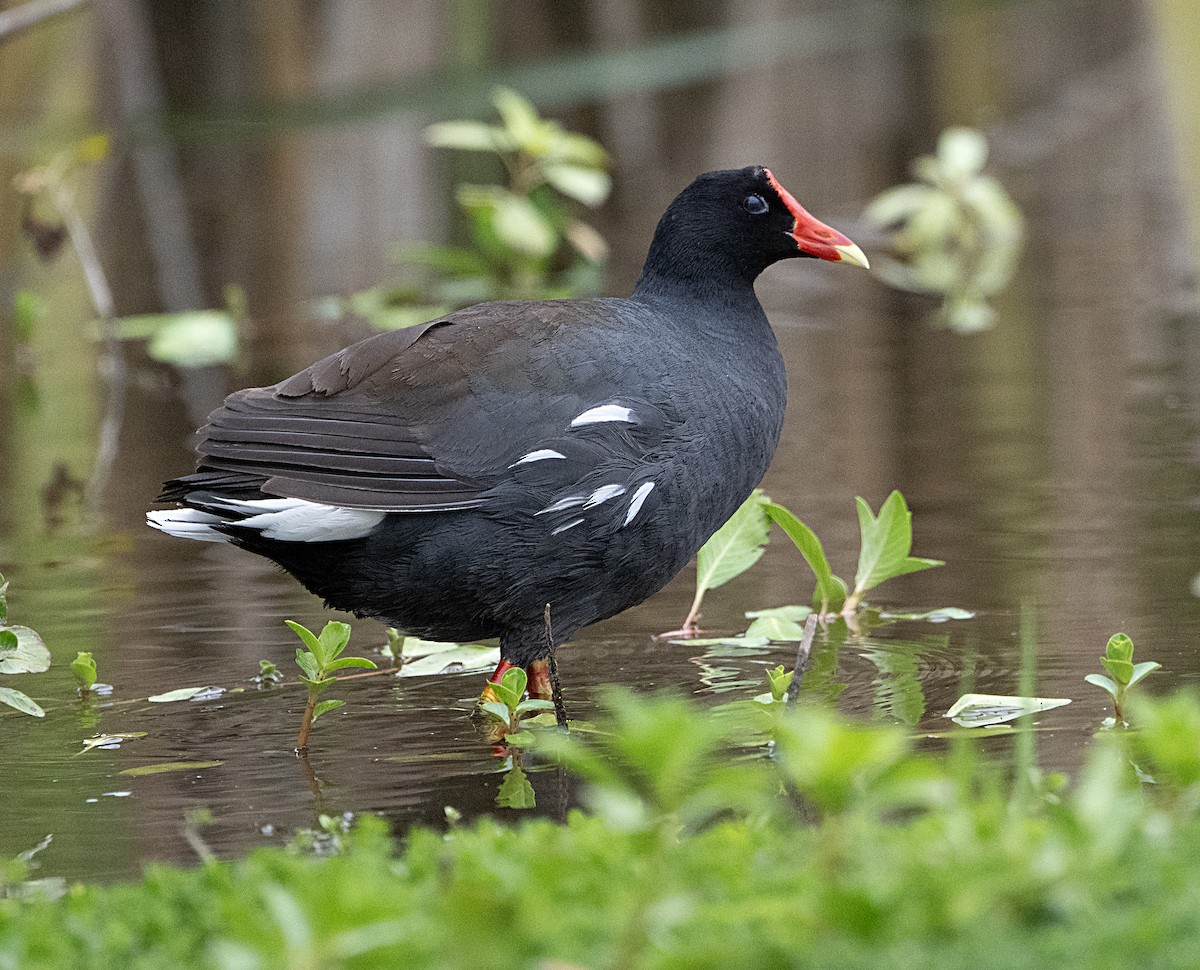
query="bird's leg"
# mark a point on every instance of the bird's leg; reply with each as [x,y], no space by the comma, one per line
[497,675]
[539,679]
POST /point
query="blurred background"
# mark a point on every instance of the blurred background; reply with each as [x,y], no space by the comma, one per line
[266,157]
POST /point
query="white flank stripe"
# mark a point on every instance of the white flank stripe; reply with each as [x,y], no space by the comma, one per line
[635,504]
[564,528]
[564,503]
[603,494]
[540,455]
[605,412]
[295,520]
[186,524]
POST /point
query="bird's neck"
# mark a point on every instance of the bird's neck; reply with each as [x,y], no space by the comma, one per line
[703,289]
[682,270]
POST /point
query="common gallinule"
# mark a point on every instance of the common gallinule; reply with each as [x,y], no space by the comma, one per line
[453,478]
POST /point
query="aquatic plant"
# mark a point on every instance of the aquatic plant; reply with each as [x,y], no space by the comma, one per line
[510,705]
[317,665]
[845,848]
[1124,674]
[21,652]
[886,544]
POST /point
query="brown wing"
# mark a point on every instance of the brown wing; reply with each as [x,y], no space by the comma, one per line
[421,419]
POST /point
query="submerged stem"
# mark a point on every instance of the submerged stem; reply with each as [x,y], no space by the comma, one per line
[306,724]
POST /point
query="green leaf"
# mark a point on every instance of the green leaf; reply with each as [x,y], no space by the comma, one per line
[30,655]
[307,663]
[515,791]
[1099,680]
[940,615]
[776,627]
[587,185]
[182,694]
[899,204]
[1120,670]
[333,640]
[961,152]
[520,225]
[8,641]
[533,704]
[780,680]
[570,146]
[980,710]
[469,136]
[29,309]
[309,638]
[1119,647]
[324,707]
[351,662]
[831,592]
[497,709]
[169,766]
[519,116]
[453,260]
[22,702]
[84,669]
[886,543]
[114,740]
[199,338]
[511,687]
[1141,670]
[736,546]
[455,659]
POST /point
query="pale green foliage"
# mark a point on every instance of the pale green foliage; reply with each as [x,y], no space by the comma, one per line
[1124,674]
[984,710]
[21,652]
[319,663]
[510,706]
[886,544]
[731,550]
[884,553]
[830,594]
[956,232]
[780,680]
[84,669]
[845,848]
[525,239]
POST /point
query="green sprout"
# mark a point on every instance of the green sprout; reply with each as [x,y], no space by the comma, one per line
[318,664]
[780,680]
[84,669]
[509,708]
[883,555]
[268,674]
[742,540]
[1124,673]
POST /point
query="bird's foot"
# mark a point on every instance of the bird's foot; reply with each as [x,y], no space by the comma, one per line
[539,680]
[688,631]
[537,684]
[497,675]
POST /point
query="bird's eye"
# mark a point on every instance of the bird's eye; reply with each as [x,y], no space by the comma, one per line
[756,205]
